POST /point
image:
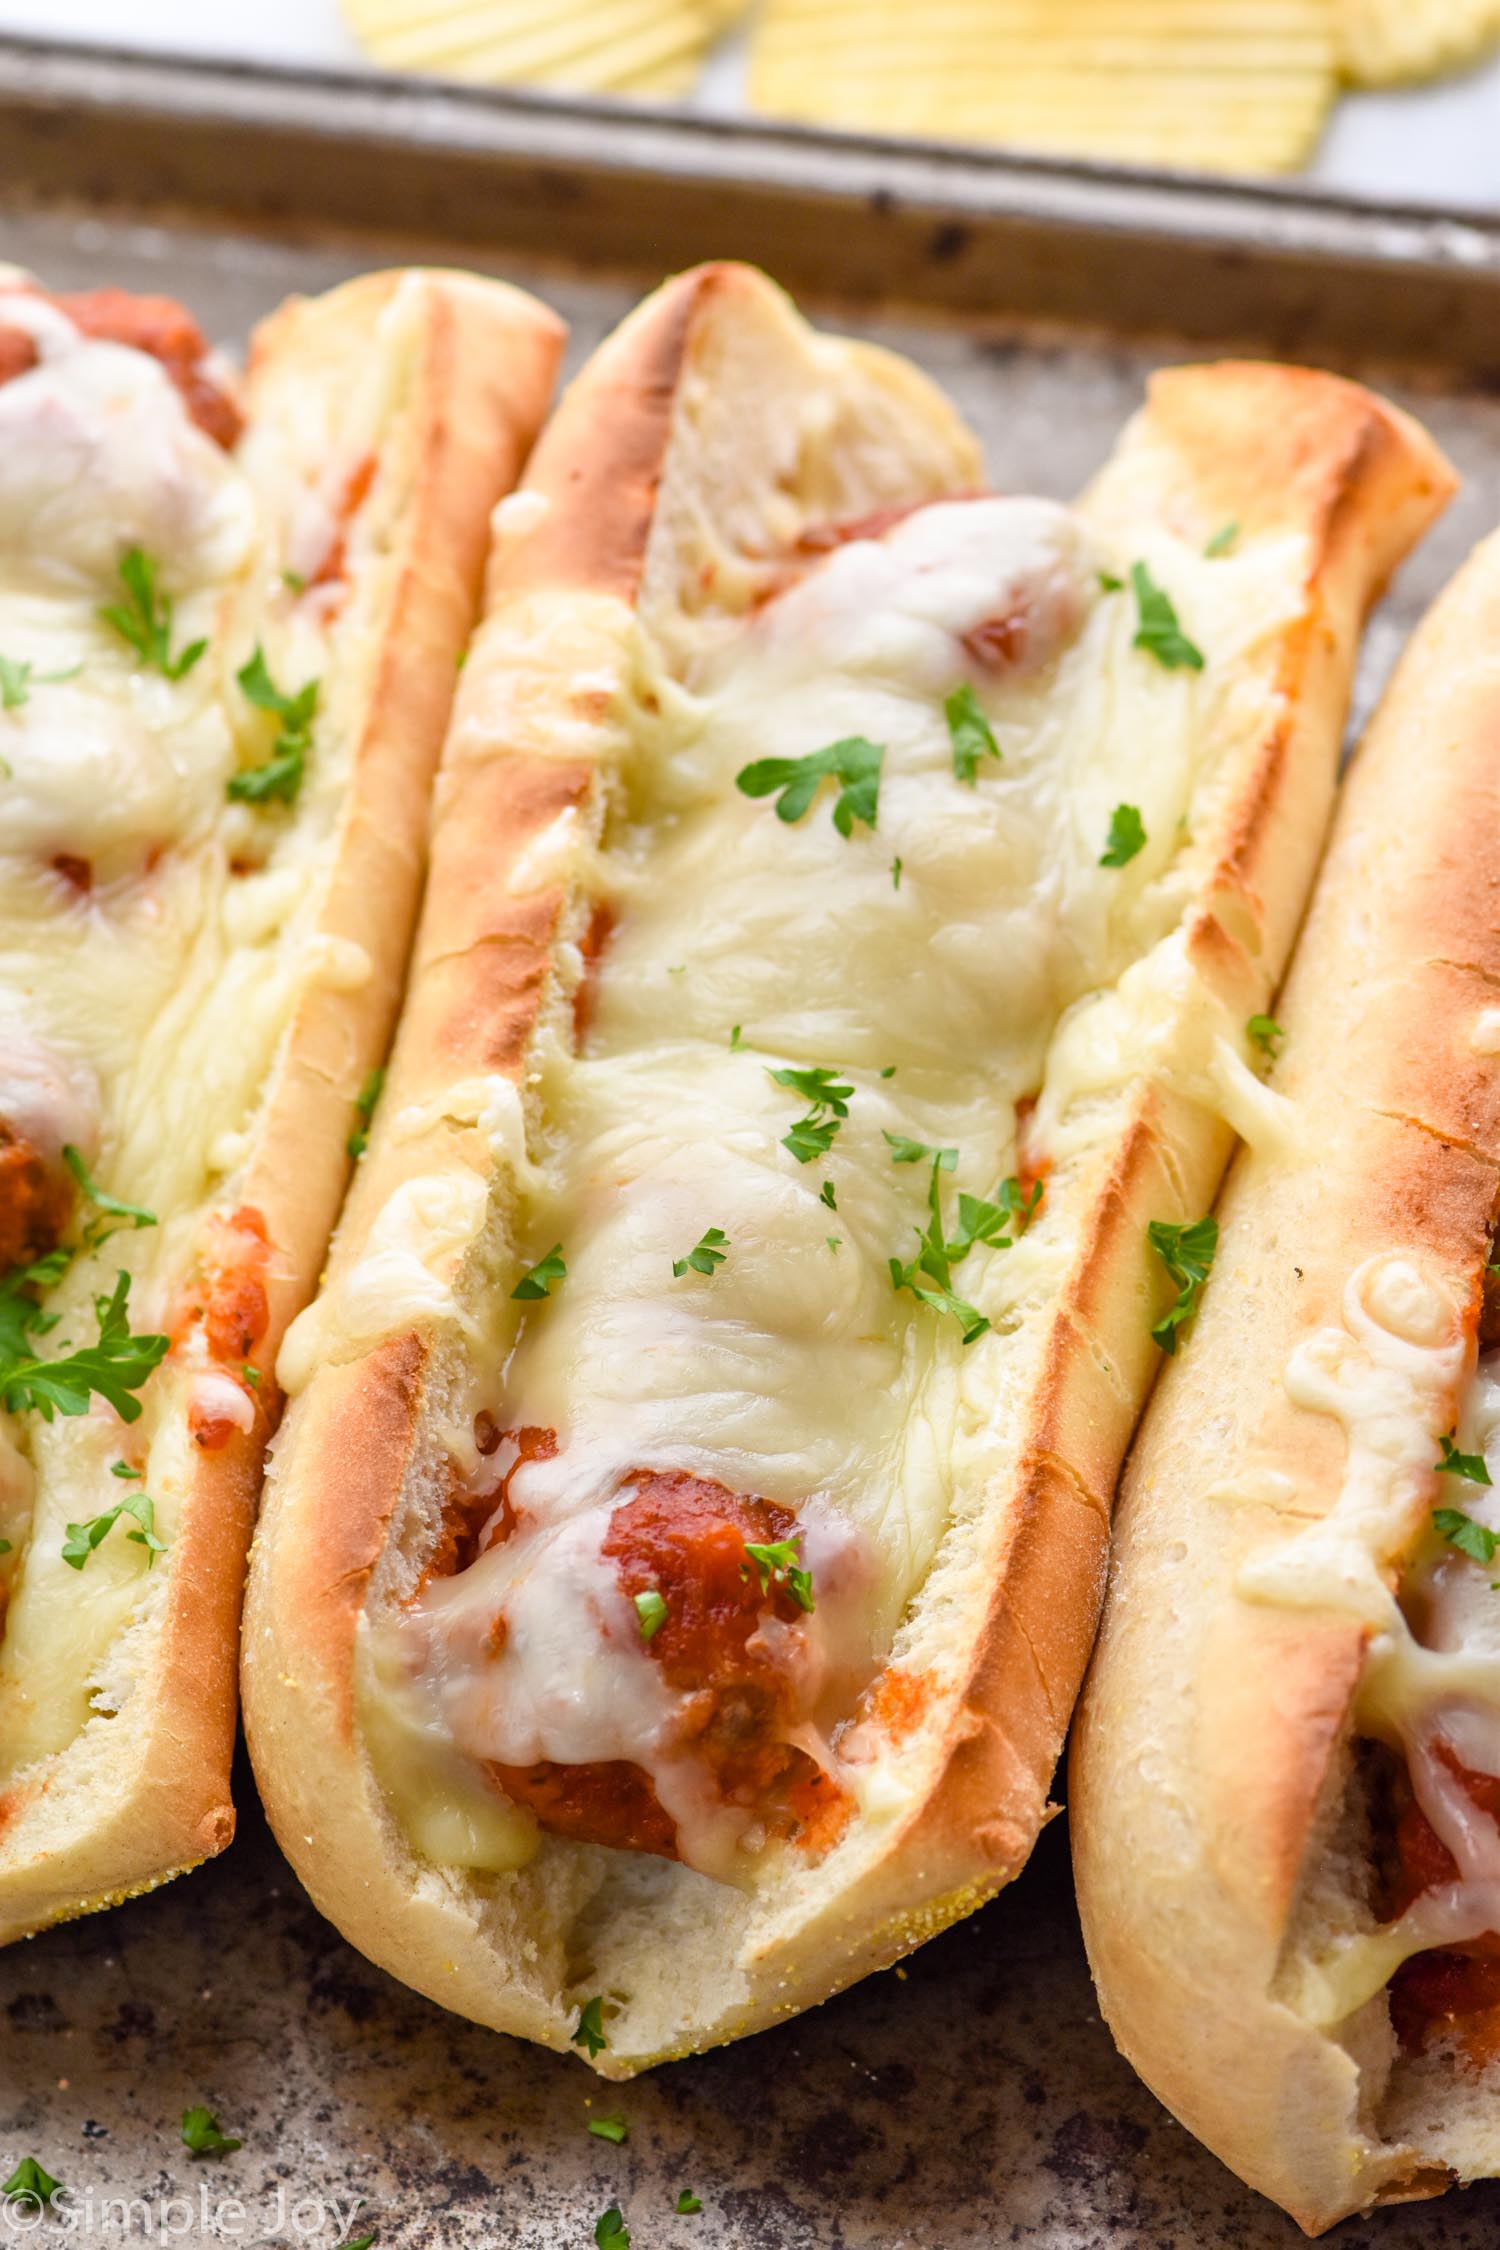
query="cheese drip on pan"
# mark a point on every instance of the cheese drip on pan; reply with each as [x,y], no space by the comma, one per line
[805,1034]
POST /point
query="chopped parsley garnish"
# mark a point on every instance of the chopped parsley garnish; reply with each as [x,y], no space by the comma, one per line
[1157,629]
[1470,1538]
[537,1280]
[969,732]
[123,1469]
[829,1095]
[281,774]
[833,1240]
[83,1538]
[1109,584]
[1018,1203]
[589,2031]
[904,1151]
[17,681]
[929,1275]
[1470,1466]
[826,1195]
[687,2204]
[1127,836]
[1187,1252]
[364,1110]
[610,2230]
[1223,541]
[294,580]
[200,2133]
[651,1609]
[735,1041]
[21,1316]
[610,2129]
[854,763]
[144,618]
[1266,1033]
[30,2183]
[5,1547]
[776,1560]
[116,1366]
[113,1212]
[707,1254]
[896,872]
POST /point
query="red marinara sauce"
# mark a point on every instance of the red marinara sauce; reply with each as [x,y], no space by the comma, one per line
[685,1538]
[157,326]
[1452,1992]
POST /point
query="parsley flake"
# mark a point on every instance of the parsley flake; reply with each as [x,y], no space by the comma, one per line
[705,1256]
[826,1195]
[1109,584]
[537,1280]
[651,1609]
[280,776]
[896,872]
[32,2184]
[1470,1466]
[589,2031]
[116,1366]
[17,681]
[1157,629]
[1475,1540]
[1266,1033]
[83,1538]
[854,763]
[687,2204]
[21,1316]
[829,1095]
[969,732]
[113,1212]
[610,2230]
[904,1151]
[144,619]
[610,2129]
[1223,541]
[929,1275]
[1127,836]
[364,1110]
[1187,1252]
[200,2133]
[777,1562]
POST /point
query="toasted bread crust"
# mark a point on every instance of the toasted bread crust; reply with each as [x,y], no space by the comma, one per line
[1234,1714]
[1360,481]
[480,387]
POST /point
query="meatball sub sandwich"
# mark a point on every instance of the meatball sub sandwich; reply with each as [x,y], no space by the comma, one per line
[849,894]
[229,630]
[1286,1784]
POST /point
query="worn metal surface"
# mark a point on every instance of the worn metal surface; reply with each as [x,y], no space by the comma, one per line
[867,219]
[972,2099]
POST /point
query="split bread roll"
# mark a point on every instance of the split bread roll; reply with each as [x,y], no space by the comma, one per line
[848,895]
[1283,1789]
[229,632]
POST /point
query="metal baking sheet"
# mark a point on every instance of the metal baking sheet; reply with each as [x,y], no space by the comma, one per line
[972,2098]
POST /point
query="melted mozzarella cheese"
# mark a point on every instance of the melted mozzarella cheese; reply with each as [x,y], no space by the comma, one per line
[154,937]
[933,963]
[1431,1679]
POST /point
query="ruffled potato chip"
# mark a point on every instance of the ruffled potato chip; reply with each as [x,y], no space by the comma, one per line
[1218,85]
[1383,42]
[651,48]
